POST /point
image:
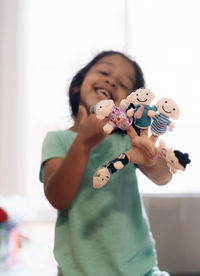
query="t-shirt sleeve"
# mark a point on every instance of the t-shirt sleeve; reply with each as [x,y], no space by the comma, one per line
[154,108]
[53,147]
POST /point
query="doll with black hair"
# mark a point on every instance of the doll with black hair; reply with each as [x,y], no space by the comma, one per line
[176,160]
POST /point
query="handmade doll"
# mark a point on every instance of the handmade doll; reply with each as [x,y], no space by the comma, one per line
[176,160]
[117,115]
[141,99]
[121,117]
[103,174]
[167,108]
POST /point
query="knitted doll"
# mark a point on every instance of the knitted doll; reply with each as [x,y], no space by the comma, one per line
[176,160]
[117,115]
[141,99]
[167,108]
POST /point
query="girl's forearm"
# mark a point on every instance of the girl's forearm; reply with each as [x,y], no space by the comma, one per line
[63,184]
[159,173]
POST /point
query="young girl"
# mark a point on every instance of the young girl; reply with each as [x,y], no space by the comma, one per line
[102,232]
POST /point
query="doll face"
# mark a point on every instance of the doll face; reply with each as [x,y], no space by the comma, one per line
[173,161]
[112,77]
[142,96]
[103,108]
[168,107]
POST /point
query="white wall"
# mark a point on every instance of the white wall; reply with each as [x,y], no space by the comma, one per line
[175,224]
[13,98]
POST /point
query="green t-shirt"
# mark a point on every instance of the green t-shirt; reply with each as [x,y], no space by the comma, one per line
[104,232]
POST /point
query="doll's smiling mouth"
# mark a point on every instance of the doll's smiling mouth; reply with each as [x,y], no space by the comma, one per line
[141,100]
[166,110]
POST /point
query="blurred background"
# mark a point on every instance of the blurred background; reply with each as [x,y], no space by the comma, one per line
[43,43]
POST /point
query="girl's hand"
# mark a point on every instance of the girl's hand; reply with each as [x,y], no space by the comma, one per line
[62,176]
[89,128]
[143,150]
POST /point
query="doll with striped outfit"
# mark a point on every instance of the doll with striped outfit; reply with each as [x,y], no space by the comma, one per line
[166,108]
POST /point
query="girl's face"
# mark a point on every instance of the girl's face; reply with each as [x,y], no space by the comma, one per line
[112,77]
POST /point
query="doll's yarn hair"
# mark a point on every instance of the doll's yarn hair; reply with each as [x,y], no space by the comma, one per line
[74,88]
[183,158]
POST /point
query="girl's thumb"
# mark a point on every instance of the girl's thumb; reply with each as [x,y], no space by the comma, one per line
[82,113]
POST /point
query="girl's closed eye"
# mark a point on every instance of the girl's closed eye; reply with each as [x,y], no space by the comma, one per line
[124,86]
[104,73]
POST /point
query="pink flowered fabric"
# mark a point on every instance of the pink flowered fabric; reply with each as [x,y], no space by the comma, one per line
[119,118]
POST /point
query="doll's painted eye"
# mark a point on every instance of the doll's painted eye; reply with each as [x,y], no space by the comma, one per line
[147,94]
[136,94]
[100,106]
[165,101]
[172,161]
[174,108]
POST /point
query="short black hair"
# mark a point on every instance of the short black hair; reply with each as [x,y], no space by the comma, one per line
[80,75]
[183,158]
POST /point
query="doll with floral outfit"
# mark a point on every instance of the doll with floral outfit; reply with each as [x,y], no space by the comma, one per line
[166,108]
[121,117]
[118,116]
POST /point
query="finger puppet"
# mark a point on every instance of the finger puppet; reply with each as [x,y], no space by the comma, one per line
[167,108]
[118,117]
[141,99]
[176,160]
[103,174]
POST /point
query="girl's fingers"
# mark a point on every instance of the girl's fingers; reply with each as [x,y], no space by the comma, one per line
[153,138]
[142,152]
[131,132]
[144,132]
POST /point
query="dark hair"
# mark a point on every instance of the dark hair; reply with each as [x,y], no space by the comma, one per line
[79,77]
[183,158]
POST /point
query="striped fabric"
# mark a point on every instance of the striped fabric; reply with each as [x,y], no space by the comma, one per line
[159,124]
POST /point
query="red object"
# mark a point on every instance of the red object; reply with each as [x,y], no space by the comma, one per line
[3,215]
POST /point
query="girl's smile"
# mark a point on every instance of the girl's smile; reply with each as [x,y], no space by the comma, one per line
[113,77]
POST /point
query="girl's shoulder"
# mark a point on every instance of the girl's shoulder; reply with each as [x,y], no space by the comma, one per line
[59,137]
[61,134]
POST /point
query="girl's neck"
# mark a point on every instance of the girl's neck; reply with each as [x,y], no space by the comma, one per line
[74,128]
[76,124]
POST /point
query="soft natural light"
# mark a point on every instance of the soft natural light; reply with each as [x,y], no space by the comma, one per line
[60,40]
[161,35]
[164,40]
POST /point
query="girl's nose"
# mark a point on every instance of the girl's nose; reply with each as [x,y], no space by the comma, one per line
[112,83]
